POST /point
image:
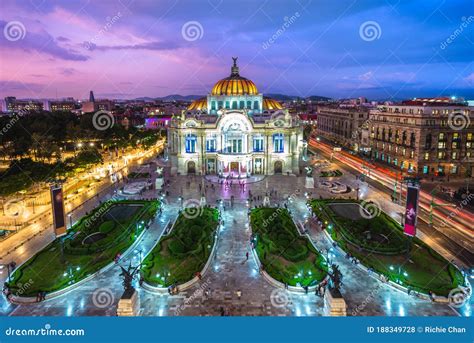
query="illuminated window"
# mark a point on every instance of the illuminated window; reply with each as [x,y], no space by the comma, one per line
[191,143]
[278,142]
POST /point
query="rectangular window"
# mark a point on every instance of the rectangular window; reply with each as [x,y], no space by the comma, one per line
[211,145]
[278,142]
[191,143]
[258,144]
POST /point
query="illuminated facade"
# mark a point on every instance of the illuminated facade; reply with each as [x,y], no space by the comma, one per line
[236,132]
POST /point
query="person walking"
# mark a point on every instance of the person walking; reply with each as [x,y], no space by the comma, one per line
[247,256]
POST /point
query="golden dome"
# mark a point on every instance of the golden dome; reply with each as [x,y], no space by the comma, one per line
[198,105]
[271,104]
[234,84]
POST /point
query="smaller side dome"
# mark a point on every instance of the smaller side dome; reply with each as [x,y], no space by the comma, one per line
[198,105]
[270,104]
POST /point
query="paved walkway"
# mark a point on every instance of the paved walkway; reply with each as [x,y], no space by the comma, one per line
[231,272]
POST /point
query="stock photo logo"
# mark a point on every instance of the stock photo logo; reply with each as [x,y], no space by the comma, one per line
[279,298]
[458,121]
[192,31]
[370,31]
[14,31]
[458,297]
[13,208]
[192,208]
[103,120]
[369,209]
[103,297]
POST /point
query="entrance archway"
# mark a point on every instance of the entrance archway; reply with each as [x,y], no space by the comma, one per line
[278,167]
[191,167]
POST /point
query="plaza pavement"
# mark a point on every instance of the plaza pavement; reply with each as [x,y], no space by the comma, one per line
[230,272]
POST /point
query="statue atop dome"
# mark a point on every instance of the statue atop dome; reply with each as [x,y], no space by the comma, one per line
[234,69]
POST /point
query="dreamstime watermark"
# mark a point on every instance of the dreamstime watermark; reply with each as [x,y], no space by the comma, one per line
[287,22]
[13,208]
[196,294]
[370,31]
[458,121]
[192,208]
[23,287]
[267,221]
[103,120]
[192,31]
[279,298]
[110,21]
[368,299]
[45,331]
[103,297]
[459,208]
[466,21]
[14,31]
[458,297]
[365,125]
[369,209]
[101,211]
[14,119]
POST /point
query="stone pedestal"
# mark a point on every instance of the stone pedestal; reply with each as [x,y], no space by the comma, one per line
[334,304]
[158,183]
[309,183]
[266,201]
[129,304]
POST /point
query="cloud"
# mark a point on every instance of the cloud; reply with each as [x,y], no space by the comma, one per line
[164,45]
[41,42]
[366,76]
[469,78]
[67,71]
[62,39]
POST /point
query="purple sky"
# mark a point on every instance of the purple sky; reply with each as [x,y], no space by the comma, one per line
[129,49]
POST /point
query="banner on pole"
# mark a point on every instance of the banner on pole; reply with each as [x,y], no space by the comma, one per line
[59,215]
[411,214]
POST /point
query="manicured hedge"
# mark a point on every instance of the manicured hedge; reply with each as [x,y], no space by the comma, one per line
[183,252]
[423,269]
[46,269]
[285,255]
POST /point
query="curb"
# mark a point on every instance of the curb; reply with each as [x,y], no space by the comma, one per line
[184,286]
[279,284]
[29,300]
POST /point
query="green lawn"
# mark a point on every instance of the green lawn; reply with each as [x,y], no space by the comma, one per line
[285,255]
[90,245]
[386,248]
[178,256]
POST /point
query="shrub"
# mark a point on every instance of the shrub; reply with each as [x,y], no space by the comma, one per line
[107,226]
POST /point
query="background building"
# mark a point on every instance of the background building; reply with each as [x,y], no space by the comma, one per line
[429,137]
[342,125]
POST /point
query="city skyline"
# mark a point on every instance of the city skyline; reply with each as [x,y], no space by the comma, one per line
[128,50]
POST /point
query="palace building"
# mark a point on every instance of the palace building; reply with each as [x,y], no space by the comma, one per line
[235,131]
